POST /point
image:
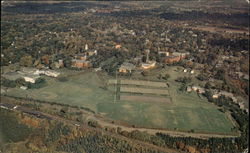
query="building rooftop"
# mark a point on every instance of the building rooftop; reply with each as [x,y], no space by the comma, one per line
[34,76]
[180,53]
[80,61]
[127,66]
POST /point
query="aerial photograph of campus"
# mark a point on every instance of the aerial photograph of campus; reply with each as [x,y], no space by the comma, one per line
[169,76]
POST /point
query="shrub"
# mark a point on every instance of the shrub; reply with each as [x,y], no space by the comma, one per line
[62,79]
[93,123]
[8,83]
[40,82]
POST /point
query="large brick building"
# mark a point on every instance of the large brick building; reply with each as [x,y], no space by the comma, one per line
[172,59]
[80,63]
[175,57]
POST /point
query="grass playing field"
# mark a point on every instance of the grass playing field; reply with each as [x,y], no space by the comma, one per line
[186,111]
[199,119]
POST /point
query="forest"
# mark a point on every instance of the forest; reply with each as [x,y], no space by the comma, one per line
[52,8]
[53,136]
[239,19]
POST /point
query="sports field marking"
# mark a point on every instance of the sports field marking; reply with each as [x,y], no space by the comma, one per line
[139,83]
[137,98]
[144,90]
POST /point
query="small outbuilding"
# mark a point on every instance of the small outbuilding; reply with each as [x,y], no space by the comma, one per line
[198,89]
[189,89]
[24,87]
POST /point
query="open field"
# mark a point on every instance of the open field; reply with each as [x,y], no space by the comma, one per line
[218,29]
[144,90]
[186,112]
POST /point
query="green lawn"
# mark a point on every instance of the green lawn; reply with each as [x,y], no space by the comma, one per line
[187,111]
[200,119]
[82,90]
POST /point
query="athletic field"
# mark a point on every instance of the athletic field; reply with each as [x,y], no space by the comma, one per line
[184,112]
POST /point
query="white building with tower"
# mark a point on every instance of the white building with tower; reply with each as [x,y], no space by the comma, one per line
[86,47]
